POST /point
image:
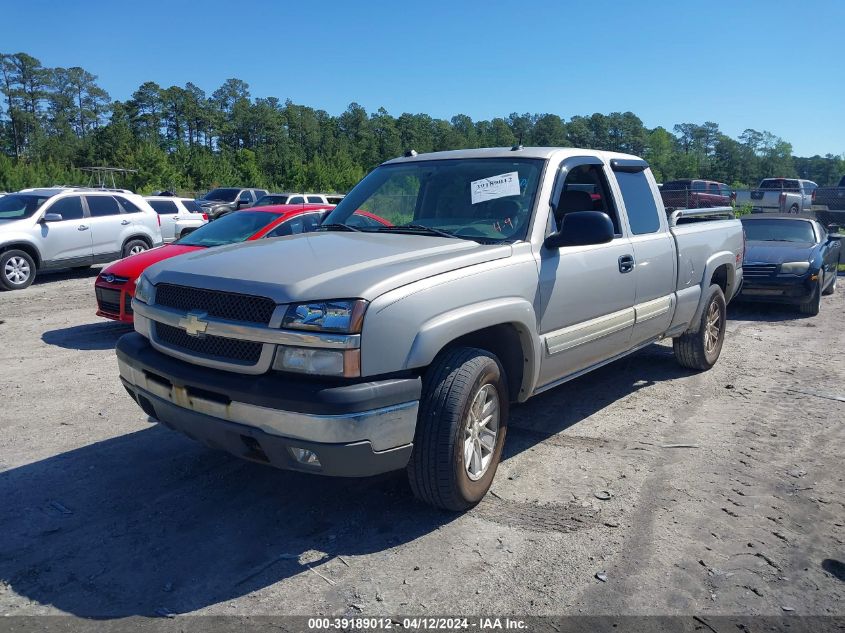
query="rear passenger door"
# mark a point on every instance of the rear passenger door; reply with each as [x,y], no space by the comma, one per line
[168,213]
[654,250]
[108,224]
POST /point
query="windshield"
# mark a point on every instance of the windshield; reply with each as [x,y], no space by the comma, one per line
[231,228]
[266,201]
[779,231]
[18,206]
[485,199]
[226,194]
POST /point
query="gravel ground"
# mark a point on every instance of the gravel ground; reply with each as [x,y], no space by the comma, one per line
[725,491]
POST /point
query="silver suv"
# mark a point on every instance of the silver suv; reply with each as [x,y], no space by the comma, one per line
[42,229]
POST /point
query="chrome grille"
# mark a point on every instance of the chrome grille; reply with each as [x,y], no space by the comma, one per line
[758,271]
[223,305]
[214,347]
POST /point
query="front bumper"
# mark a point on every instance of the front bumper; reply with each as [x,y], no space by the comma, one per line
[114,301]
[355,430]
[791,291]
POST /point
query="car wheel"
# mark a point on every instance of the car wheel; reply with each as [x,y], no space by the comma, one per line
[133,247]
[460,430]
[700,350]
[832,287]
[793,208]
[17,270]
[814,305]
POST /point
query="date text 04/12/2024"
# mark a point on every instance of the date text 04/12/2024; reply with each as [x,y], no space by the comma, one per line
[417,623]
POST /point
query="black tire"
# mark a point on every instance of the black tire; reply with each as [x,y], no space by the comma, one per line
[697,350]
[814,305]
[437,470]
[134,245]
[794,209]
[17,270]
[831,289]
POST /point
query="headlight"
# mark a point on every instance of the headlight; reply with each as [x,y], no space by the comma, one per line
[794,268]
[144,289]
[344,315]
[317,361]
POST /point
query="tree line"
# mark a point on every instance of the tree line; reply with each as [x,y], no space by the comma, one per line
[55,120]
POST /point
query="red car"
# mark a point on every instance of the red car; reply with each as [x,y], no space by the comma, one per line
[115,285]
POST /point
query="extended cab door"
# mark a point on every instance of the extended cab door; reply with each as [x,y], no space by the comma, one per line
[655,260]
[586,293]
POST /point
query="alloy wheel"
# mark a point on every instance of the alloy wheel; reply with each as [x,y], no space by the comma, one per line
[481,430]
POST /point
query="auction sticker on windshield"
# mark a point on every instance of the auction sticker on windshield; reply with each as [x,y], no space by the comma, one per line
[495,187]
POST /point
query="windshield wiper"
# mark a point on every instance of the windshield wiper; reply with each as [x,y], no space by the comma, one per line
[421,228]
[342,227]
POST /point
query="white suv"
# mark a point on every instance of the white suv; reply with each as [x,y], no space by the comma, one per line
[42,229]
[179,216]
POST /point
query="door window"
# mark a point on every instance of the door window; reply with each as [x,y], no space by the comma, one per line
[585,189]
[164,207]
[297,200]
[315,199]
[100,206]
[639,202]
[300,224]
[245,196]
[69,208]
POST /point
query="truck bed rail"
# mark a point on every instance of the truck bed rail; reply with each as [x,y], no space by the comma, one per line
[714,213]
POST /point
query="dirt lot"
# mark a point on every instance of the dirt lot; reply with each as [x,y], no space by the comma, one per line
[105,514]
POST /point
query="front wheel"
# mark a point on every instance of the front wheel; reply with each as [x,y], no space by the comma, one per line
[700,350]
[814,305]
[831,289]
[794,209]
[460,430]
[17,270]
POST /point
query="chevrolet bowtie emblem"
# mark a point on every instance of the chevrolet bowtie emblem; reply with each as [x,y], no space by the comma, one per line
[194,324]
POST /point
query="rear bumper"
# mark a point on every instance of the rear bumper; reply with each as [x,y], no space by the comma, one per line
[354,430]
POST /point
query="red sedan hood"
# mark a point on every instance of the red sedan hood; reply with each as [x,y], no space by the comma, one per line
[133,266]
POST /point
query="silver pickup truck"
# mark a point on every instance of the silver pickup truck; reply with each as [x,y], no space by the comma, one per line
[363,348]
[779,195]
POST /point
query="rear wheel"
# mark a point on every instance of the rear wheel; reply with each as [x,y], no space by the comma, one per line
[700,350]
[814,305]
[460,430]
[17,270]
[793,208]
[133,247]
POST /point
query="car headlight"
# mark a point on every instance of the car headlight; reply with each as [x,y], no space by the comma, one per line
[144,289]
[344,315]
[794,268]
[319,362]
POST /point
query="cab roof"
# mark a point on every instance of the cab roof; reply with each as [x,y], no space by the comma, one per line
[508,152]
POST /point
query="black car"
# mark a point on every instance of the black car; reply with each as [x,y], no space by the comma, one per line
[789,259]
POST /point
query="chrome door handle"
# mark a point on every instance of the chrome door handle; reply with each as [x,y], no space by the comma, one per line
[82,227]
[125,222]
[626,263]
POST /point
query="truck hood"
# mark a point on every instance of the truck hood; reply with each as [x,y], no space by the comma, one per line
[777,252]
[324,265]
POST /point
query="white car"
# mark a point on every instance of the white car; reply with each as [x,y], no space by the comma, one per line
[42,229]
[299,198]
[179,216]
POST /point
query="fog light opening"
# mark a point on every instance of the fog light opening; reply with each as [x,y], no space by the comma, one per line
[304,456]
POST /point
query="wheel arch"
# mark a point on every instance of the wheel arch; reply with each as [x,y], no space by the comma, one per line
[26,247]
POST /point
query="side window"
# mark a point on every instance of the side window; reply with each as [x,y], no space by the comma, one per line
[698,185]
[164,207]
[639,202]
[713,187]
[192,206]
[586,189]
[300,224]
[725,191]
[315,199]
[127,205]
[259,193]
[296,200]
[358,219]
[100,206]
[245,196]
[69,208]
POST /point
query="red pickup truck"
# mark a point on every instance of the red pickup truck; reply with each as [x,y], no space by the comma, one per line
[695,194]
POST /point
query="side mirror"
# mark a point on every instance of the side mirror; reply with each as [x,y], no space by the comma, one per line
[243,203]
[582,228]
[51,217]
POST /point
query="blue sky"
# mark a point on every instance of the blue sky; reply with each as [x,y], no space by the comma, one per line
[771,65]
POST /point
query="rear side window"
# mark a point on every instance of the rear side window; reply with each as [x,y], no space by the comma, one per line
[164,207]
[297,200]
[315,199]
[300,224]
[639,202]
[100,206]
[69,208]
[192,206]
[127,205]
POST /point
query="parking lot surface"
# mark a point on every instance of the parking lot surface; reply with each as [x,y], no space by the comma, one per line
[641,488]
